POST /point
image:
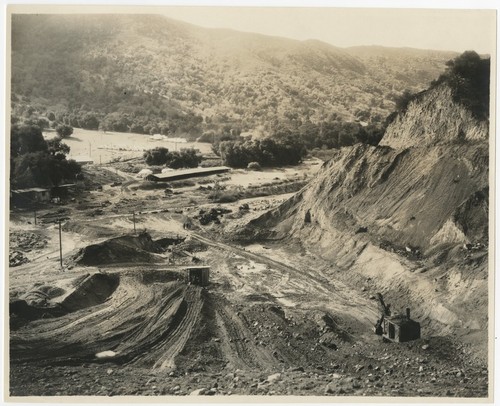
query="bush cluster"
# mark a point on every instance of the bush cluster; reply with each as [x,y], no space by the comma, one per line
[185,158]
[36,162]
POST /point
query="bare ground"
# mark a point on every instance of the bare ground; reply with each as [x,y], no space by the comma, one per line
[275,319]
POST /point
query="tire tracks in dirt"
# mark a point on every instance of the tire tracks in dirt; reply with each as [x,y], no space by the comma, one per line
[336,294]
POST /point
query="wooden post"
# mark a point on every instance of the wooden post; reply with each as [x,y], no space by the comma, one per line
[133,214]
[35,216]
[60,244]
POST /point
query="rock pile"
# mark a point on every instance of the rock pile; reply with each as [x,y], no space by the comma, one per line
[211,216]
[17,258]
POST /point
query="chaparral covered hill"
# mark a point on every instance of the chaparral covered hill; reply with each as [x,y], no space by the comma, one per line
[138,72]
[409,217]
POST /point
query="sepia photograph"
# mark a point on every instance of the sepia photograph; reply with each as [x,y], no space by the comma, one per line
[249,204]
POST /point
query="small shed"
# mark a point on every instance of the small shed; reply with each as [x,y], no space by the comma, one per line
[401,328]
[198,275]
[27,197]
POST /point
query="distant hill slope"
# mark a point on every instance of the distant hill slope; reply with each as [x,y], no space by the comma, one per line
[156,70]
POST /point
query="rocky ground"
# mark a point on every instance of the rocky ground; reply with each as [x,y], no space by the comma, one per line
[392,370]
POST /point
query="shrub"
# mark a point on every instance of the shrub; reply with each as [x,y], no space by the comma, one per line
[156,156]
[254,166]
[64,130]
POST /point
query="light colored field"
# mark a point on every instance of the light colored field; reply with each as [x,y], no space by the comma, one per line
[106,146]
[245,178]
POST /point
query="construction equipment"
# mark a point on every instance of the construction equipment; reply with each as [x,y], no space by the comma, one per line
[385,311]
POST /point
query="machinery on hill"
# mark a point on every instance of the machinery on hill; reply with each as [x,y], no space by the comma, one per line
[396,328]
[385,311]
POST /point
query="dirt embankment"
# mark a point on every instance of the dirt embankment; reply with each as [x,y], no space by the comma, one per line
[123,249]
[412,223]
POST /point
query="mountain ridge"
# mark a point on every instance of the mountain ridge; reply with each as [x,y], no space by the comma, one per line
[107,64]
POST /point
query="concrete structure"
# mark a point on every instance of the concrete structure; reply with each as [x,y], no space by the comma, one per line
[401,328]
[27,197]
[198,275]
[187,173]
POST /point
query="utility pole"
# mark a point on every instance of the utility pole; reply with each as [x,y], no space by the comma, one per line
[60,244]
[133,216]
[90,149]
[35,216]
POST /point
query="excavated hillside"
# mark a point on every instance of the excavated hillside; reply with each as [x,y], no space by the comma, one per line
[408,217]
[434,118]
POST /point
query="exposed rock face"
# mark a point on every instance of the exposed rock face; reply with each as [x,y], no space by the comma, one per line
[434,118]
[414,197]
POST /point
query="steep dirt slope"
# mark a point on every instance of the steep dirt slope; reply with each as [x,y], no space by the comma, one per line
[412,222]
[434,118]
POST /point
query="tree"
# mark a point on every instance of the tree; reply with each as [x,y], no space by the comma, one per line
[36,162]
[254,166]
[186,158]
[89,121]
[56,148]
[404,100]
[42,169]
[25,139]
[64,130]
[283,150]
[42,122]
[156,156]
[469,77]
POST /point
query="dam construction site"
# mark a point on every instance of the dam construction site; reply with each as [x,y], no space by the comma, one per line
[292,289]
[198,212]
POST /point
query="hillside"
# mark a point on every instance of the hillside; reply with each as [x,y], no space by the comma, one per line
[409,218]
[144,73]
[449,122]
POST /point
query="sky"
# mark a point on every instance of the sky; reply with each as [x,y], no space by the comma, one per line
[453,30]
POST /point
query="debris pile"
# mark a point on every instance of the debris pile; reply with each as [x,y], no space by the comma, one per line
[22,242]
[17,258]
[27,242]
[212,216]
[127,248]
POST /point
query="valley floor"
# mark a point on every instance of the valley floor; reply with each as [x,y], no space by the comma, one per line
[273,321]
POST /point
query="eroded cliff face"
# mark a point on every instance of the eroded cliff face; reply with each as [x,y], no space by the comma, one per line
[408,217]
[416,197]
[434,118]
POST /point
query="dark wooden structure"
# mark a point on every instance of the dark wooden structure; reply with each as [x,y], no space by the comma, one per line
[187,173]
[29,197]
[400,328]
[198,275]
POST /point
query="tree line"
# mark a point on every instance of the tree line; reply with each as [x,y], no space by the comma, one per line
[185,158]
[35,162]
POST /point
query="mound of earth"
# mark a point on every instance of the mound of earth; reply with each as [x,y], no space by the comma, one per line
[92,290]
[123,249]
[52,301]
